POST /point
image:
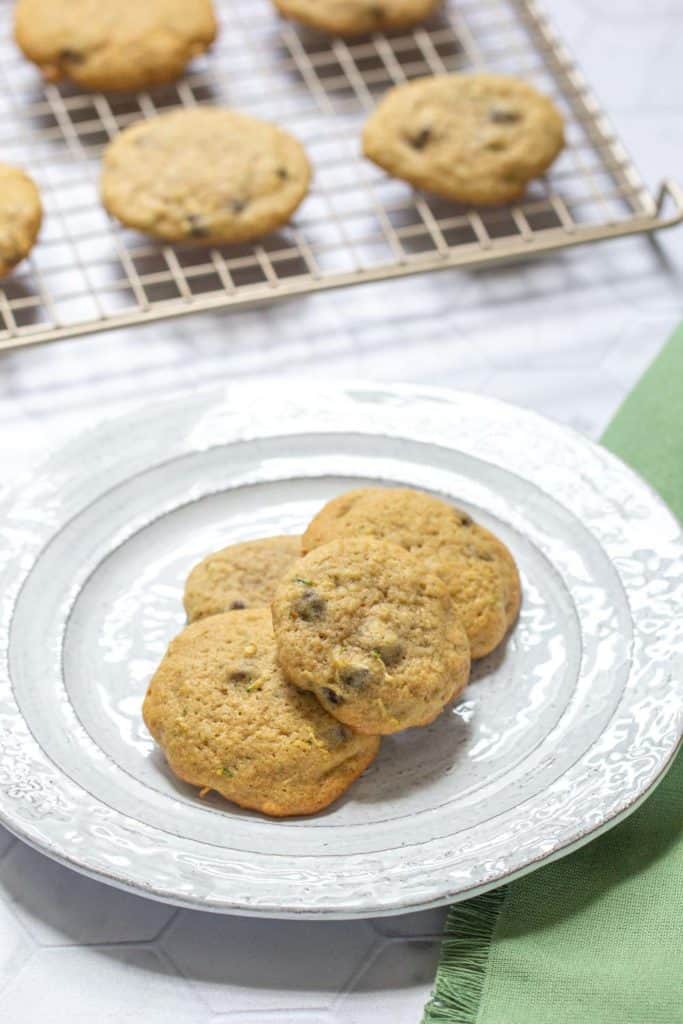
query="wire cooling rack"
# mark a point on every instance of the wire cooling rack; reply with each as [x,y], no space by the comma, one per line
[87,273]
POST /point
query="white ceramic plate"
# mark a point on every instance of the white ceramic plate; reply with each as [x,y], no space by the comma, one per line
[559,735]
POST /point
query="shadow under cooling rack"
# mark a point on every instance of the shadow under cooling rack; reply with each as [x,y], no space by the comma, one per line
[87,273]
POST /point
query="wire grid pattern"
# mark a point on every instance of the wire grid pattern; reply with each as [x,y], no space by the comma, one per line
[87,272]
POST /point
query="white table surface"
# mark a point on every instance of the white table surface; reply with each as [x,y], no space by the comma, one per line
[567,336]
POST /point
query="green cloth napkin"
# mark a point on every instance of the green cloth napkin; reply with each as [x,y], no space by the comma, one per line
[597,937]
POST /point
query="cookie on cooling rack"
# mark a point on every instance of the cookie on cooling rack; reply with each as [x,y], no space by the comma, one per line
[21,214]
[475,138]
[240,576]
[226,719]
[365,627]
[205,174]
[357,17]
[114,46]
[477,568]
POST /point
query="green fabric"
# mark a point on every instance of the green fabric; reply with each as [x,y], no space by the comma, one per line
[647,431]
[597,937]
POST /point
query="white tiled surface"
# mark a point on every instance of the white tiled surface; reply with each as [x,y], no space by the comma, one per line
[567,336]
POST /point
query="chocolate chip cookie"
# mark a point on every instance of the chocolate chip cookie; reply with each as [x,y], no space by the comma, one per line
[477,568]
[364,626]
[240,576]
[207,174]
[474,138]
[21,214]
[114,46]
[226,719]
[357,17]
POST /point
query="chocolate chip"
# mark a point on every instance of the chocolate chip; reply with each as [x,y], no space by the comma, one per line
[338,735]
[70,57]
[420,140]
[198,227]
[238,205]
[239,676]
[237,605]
[330,696]
[354,676]
[501,115]
[310,606]
[282,173]
[376,11]
[465,520]
[390,652]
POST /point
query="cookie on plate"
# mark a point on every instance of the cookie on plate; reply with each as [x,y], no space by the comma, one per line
[21,214]
[475,138]
[240,576]
[357,17]
[477,568]
[226,719]
[113,46]
[206,174]
[365,627]
[487,546]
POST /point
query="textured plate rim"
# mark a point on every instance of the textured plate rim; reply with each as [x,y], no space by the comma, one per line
[171,898]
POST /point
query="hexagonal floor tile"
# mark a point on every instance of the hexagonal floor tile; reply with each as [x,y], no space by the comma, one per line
[15,950]
[395,986]
[240,964]
[425,923]
[61,907]
[6,840]
[96,984]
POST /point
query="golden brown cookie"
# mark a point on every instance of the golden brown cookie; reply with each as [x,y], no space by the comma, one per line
[125,44]
[205,174]
[475,138]
[364,626]
[240,576]
[220,709]
[486,543]
[21,214]
[357,17]
[476,567]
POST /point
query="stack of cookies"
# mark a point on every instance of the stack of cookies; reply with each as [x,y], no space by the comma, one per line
[302,652]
